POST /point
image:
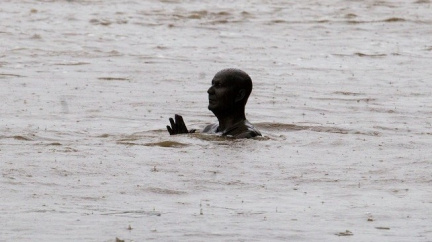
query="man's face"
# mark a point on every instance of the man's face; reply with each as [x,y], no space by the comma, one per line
[222,94]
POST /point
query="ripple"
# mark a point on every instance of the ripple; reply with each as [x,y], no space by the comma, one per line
[281,127]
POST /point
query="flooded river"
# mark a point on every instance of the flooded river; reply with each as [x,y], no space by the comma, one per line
[342,96]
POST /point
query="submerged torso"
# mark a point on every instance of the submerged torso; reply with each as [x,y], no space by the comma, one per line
[242,129]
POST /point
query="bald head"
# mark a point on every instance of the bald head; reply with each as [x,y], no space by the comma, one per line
[239,79]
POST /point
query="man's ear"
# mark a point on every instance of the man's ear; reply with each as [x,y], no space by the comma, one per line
[240,95]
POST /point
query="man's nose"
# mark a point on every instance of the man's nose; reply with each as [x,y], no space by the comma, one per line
[210,90]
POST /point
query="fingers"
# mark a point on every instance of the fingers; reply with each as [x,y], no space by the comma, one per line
[170,131]
[173,126]
[173,129]
[181,126]
[178,119]
[177,125]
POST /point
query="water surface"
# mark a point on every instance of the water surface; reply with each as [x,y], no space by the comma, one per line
[341,94]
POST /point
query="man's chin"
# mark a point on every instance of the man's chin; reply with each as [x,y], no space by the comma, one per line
[212,108]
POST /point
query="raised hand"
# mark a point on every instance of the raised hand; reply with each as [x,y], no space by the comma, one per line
[178,126]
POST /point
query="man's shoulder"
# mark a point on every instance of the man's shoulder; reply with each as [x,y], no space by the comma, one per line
[244,130]
[211,128]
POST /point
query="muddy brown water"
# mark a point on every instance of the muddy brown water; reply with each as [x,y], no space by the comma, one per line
[342,95]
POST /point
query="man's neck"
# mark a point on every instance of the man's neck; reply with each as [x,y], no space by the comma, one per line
[227,121]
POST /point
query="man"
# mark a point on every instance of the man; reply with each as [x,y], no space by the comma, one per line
[228,96]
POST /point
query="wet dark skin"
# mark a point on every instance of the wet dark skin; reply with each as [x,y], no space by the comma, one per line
[228,94]
[178,126]
[225,100]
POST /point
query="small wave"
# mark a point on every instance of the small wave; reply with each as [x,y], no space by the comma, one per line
[72,64]
[281,127]
[165,144]
[113,78]
[20,137]
[165,191]
[135,212]
[107,22]
[369,55]
[348,93]
[4,75]
[394,19]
